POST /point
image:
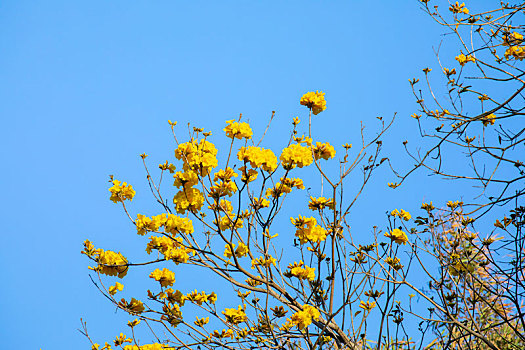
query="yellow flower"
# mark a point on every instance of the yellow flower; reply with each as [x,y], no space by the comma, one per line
[175,224]
[185,179]
[303,319]
[462,59]
[199,157]
[405,215]
[489,119]
[320,203]
[308,230]
[164,276]
[188,199]
[301,271]
[114,289]
[259,203]
[397,236]
[296,155]
[367,306]
[121,191]
[457,8]
[324,151]
[267,262]
[110,263]
[235,316]
[315,101]
[201,321]
[134,306]
[258,158]
[238,130]
[121,339]
[395,263]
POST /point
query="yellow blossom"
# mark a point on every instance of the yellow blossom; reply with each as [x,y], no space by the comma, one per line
[457,8]
[259,203]
[324,151]
[489,119]
[397,236]
[165,277]
[188,199]
[462,59]
[308,230]
[296,155]
[121,191]
[201,321]
[114,289]
[367,306]
[303,319]
[110,263]
[320,203]
[121,339]
[315,101]
[185,179]
[235,316]
[267,262]
[134,306]
[238,130]
[405,215]
[301,271]
[258,158]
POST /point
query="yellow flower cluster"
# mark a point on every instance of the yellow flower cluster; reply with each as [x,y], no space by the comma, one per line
[223,184]
[285,187]
[259,203]
[405,215]
[457,8]
[238,130]
[235,316]
[121,191]
[516,52]
[114,289]
[324,151]
[397,236]
[308,230]
[258,158]
[188,199]
[185,179]
[200,322]
[171,247]
[200,298]
[261,261]
[226,333]
[134,306]
[229,222]
[301,271]
[121,339]
[303,319]
[395,263]
[315,101]
[240,252]
[367,306]
[199,157]
[489,119]
[172,224]
[462,59]
[110,263]
[165,277]
[173,296]
[320,203]
[154,346]
[296,155]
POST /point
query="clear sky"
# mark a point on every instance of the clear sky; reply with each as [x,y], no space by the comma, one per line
[85,87]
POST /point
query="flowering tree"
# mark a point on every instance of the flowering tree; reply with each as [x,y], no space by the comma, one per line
[330,291]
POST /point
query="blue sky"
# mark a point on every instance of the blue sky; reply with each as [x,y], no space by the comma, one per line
[88,86]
